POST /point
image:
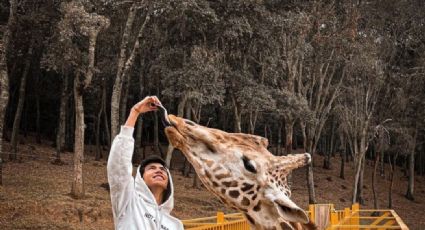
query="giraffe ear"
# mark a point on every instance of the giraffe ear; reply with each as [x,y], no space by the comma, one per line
[289,211]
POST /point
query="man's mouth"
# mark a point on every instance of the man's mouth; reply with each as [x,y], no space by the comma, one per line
[158,176]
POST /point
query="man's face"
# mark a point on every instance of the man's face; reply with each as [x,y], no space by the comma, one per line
[155,175]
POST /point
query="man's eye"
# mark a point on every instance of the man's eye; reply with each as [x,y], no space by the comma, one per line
[248,165]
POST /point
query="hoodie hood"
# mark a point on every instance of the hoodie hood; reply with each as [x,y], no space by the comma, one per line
[143,190]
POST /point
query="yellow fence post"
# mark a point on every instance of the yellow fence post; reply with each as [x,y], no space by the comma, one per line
[334,217]
[347,213]
[355,214]
[220,220]
[311,211]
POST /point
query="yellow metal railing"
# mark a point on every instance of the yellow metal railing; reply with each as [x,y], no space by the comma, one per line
[235,221]
[356,218]
[324,215]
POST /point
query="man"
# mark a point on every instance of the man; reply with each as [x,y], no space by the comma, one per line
[143,202]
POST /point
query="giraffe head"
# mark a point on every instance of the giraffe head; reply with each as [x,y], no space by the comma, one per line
[240,170]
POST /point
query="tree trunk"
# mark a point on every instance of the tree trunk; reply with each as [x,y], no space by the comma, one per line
[279,140]
[333,140]
[343,159]
[105,122]
[98,121]
[78,183]
[70,127]
[252,120]
[343,152]
[62,118]
[375,167]
[360,157]
[37,103]
[327,152]
[360,198]
[308,145]
[77,189]
[411,184]
[139,127]
[382,165]
[392,172]
[356,180]
[123,70]
[98,155]
[124,99]
[237,116]
[4,75]
[310,184]
[156,134]
[18,114]
[420,164]
[289,132]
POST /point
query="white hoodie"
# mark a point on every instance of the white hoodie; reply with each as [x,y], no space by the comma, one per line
[133,204]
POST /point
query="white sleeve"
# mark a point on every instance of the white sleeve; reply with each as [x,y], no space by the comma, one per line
[120,169]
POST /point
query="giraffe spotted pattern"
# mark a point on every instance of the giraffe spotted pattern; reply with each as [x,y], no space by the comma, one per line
[242,173]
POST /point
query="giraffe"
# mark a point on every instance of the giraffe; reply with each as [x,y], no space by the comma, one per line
[241,172]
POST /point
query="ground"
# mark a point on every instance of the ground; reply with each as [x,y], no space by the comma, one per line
[35,193]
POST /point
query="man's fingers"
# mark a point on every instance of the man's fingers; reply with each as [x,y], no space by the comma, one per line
[156,100]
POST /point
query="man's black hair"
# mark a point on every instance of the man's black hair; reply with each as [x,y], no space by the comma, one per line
[151,159]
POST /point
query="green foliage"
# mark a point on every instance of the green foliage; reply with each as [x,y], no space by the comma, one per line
[267,55]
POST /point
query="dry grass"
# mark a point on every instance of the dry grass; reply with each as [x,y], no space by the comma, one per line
[35,194]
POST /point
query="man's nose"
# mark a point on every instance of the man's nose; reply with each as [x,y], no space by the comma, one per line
[159,171]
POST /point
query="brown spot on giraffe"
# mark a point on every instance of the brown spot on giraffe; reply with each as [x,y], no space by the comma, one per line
[257,207]
[245,201]
[234,194]
[246,187]
[240,170]
[222,176]
[230,183]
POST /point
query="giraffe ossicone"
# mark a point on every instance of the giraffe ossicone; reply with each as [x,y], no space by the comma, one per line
[242,173]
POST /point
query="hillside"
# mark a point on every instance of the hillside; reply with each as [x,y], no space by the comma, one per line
[35,194]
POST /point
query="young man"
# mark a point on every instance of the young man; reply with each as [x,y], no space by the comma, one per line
[143,202]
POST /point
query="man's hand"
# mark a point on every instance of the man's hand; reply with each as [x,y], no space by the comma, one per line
[148,104]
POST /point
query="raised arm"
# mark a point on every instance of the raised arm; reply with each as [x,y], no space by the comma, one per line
[120,168]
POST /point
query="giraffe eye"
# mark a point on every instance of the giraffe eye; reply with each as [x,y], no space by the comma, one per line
[248,165]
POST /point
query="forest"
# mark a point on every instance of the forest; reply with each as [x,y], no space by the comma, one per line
[341,79]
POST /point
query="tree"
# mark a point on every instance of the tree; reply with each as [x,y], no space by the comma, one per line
[357,106]
[21,100]
[125,64]
[76,21]
[4,75]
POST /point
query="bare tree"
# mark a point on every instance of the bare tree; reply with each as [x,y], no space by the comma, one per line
[125,64]
[21,100]
[77,21]
[60,135]
[357,110]
[4,75]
